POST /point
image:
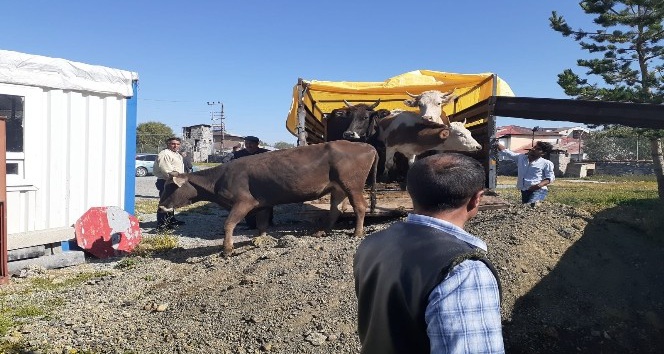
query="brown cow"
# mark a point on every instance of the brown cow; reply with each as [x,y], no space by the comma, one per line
[339,168]
[411,135]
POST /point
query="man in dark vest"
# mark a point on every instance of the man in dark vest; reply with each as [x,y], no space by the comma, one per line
[251,148]
[425,285]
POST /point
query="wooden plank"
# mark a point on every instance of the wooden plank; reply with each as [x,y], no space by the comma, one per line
[641,115]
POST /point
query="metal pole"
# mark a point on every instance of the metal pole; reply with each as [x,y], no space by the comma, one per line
[301,114]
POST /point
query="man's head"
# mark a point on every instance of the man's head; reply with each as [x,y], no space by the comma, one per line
[443,182]
[173,144]
[541,148]
[251,143]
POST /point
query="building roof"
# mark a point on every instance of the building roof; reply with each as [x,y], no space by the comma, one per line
[517,130]
[562,135]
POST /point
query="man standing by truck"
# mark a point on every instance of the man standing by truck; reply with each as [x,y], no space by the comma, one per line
[534,171]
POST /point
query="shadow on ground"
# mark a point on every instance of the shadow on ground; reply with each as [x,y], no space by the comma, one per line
[606,294]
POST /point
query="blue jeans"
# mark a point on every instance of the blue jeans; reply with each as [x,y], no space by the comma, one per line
[533,196]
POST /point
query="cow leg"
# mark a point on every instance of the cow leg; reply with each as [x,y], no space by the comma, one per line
[411,159]
[236,214]
[389,159]
[359,205]
[337,197]
[263,220]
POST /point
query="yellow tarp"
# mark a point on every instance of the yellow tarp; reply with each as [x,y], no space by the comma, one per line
[328,95]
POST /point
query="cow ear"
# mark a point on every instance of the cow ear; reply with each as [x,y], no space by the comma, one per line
[409,103]
[444,133]
[179,181]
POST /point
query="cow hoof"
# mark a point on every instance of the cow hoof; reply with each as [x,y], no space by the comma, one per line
[319,234]
[227,252]
[358,234]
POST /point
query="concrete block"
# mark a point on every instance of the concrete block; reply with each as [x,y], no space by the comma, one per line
[61,260]
[26,252]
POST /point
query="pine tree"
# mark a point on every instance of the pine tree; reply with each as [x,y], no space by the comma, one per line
[627,54]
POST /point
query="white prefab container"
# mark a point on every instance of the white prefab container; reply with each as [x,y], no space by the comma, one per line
[70,143]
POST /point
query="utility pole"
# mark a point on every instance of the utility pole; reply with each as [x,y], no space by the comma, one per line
[532,142]
[218,116]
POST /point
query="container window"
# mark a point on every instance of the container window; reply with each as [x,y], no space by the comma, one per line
[11,107]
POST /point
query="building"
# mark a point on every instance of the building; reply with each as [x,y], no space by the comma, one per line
[71,144]
[225,142]
[207,143]
[520,139]
[197,140]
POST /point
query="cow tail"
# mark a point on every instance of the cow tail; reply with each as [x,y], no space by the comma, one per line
[374,172]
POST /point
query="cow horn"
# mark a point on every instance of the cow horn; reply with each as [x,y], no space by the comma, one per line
[375,104]
[347,104]
[411,95]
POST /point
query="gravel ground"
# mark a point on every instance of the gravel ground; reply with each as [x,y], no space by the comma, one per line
[571,281]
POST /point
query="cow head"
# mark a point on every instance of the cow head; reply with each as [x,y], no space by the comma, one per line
[362,120]
[431,104]
[459,139]
[178,192]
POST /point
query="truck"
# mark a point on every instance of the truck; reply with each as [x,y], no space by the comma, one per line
[480,99]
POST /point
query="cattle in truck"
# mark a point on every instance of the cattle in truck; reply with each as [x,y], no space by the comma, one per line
[411,135]
[258,182]
[407,133]
[431,105]
[339,119]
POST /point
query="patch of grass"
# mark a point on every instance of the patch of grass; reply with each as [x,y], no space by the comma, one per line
[204,165]
[6,323]
[127,263]
[146,206]
[11,315]
[7,347]
[610,192]
[632,200]
[29,311]
[149,206]
[157,243]
[625,178]
[197,207]
[57,283]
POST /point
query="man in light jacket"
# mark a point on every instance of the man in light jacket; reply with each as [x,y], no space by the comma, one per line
[169,161]
[535,172]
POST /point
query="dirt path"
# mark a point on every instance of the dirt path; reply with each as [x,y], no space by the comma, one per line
[571,282]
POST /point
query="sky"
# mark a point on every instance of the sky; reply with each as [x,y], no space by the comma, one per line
[249,54]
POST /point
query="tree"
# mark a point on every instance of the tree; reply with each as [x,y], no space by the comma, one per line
[629,39]
[283,145]
[150,136]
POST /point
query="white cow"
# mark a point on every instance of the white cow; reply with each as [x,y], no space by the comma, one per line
[431,105]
